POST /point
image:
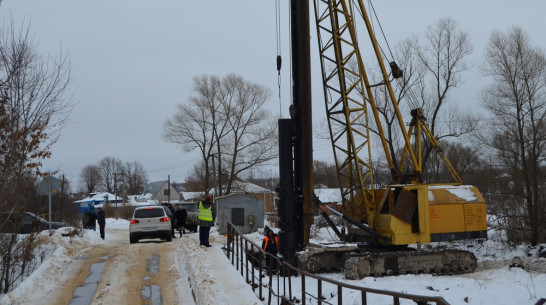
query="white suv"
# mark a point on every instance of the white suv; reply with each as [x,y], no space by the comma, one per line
[150,222]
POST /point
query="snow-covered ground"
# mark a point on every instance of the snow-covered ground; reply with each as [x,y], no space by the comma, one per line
[494,282]
[213,280]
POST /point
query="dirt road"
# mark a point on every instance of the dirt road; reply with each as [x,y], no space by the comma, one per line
[84,270]
[133,274]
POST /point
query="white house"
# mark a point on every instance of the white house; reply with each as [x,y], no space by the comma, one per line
[161,191]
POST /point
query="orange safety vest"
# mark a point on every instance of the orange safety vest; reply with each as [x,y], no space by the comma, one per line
[267,241]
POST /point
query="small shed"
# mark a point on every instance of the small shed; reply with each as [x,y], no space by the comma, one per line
[245,212]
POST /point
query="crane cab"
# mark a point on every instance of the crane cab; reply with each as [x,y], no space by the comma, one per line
[410,214]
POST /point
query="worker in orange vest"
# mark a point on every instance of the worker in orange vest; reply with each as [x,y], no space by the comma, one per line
[270,245]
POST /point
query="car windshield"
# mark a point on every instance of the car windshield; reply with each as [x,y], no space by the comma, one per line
[148,213]
[192,207]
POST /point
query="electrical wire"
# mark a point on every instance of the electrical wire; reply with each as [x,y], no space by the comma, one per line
[278,43]
[411,96]
[291,80]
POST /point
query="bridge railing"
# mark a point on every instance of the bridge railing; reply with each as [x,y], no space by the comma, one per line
[282,283]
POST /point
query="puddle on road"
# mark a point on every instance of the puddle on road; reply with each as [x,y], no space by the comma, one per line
[151,295]
[152,265]
[84,294]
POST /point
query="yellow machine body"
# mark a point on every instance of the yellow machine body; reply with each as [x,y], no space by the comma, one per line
[411,214]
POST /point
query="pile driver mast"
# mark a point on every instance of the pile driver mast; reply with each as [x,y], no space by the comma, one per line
[296,143]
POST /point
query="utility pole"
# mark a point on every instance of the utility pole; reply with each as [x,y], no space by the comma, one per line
[62,198]
[214,175]
[115,193]
[123,191]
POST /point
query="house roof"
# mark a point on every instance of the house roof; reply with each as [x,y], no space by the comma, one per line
[238,187]
[249,187]
[154,187]
[329,195]
[136,200]
[192,195]
[241,186]
[98,197]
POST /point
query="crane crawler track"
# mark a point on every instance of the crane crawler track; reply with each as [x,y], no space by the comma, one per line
[380,264]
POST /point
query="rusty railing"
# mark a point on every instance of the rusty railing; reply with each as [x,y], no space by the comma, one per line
[280,285]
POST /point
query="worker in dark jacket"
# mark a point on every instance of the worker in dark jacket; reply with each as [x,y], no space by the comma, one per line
[101,219]
[206,215]
[270,245]
[180,216]
[173,219]
[90,218]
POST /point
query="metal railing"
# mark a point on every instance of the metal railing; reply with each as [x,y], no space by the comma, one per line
[281,284]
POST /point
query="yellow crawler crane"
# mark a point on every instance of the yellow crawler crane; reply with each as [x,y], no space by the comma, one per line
[407,211]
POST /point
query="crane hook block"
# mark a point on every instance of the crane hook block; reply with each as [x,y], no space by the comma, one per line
[396,72]
[279,63]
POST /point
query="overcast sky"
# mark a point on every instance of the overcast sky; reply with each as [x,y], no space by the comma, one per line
[133,62]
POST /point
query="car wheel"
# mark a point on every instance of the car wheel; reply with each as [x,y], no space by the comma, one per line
[132,240]
[169,238]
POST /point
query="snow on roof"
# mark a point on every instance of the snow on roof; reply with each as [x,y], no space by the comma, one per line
[146,196]
[98,197]
[462,191]
[329,195]
[136,200]
[238,186]
[245,186]
[192,195]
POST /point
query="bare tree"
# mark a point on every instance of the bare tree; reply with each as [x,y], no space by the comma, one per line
[432,68]
[251,137]
[226,122]
[325,174]
[517,101]
[196,178]
[91,178]
[411,80]
[112,170]
[36,86]
[135,177]
[442,55]
[463,158]
[33,108]
[191,126]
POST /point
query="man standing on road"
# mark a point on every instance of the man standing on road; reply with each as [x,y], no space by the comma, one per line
[101,218]
[206,216]
[173,219]
[180,216]
[90,218]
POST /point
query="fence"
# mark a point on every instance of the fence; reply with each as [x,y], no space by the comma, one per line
[282,287]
